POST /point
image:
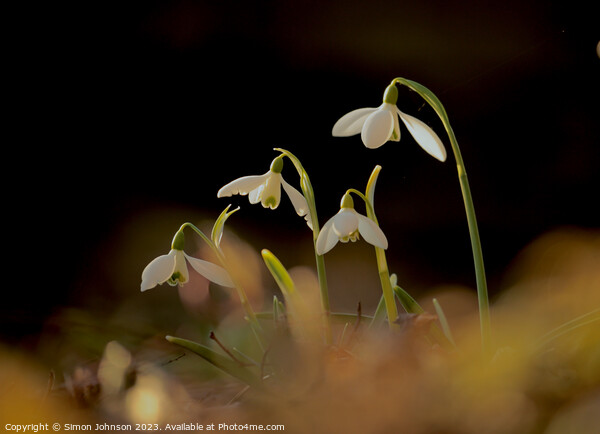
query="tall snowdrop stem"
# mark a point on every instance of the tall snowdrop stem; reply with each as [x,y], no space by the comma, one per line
[309,195]
[482,292]
[245,302]
[382,267]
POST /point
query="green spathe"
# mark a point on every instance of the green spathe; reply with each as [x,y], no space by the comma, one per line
[347,201]
[390,95]
[277,165]
[178,242]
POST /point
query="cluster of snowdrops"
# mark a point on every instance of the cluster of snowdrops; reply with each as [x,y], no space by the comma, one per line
[376,126]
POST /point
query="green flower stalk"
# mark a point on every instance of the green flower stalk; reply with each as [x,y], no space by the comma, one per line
[384,274]
[482,292]
[313,223]
[266,189]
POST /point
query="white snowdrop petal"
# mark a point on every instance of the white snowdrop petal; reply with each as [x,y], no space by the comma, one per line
[243,185]
[345,222]
[158,271]
[327,238]
[308,220]
[424,136]
[395,137]
[211,271]
[378,129]
[371,232]
[351,123]
[271,194]
[181,267]
[255,195]
[298,200]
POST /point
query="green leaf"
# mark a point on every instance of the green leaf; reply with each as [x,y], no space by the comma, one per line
[411,306]
[219,226]
[380,313]
[443,321]
[280,274]
[278,310]
[408,303]
[569,326]
[221,362]
[303,319]
[370,190]
[339,317]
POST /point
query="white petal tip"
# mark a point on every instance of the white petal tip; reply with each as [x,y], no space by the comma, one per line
[322,250]
[437,153]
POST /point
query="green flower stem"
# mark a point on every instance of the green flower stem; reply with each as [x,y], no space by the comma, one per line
[386,286]
[482,292]
[240,290]
[309,195]
[384,274]
[320,262]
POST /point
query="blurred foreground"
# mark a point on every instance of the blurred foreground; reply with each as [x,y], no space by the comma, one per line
[121,370]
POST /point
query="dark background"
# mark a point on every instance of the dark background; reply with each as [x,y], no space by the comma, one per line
[131,115]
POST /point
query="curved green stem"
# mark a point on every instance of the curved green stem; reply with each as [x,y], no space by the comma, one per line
[245,302]
[382,268]
[309,195]
[482,292]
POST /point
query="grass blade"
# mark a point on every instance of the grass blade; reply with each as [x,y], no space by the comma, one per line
[221,362]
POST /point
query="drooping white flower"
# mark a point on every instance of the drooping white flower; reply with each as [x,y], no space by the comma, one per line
[379,125]
[346,226]
[266,189]
[172,268]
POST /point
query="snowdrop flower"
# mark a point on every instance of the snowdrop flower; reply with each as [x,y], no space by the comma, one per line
[379,125]
[172,268]
[346,226]
[266,189]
